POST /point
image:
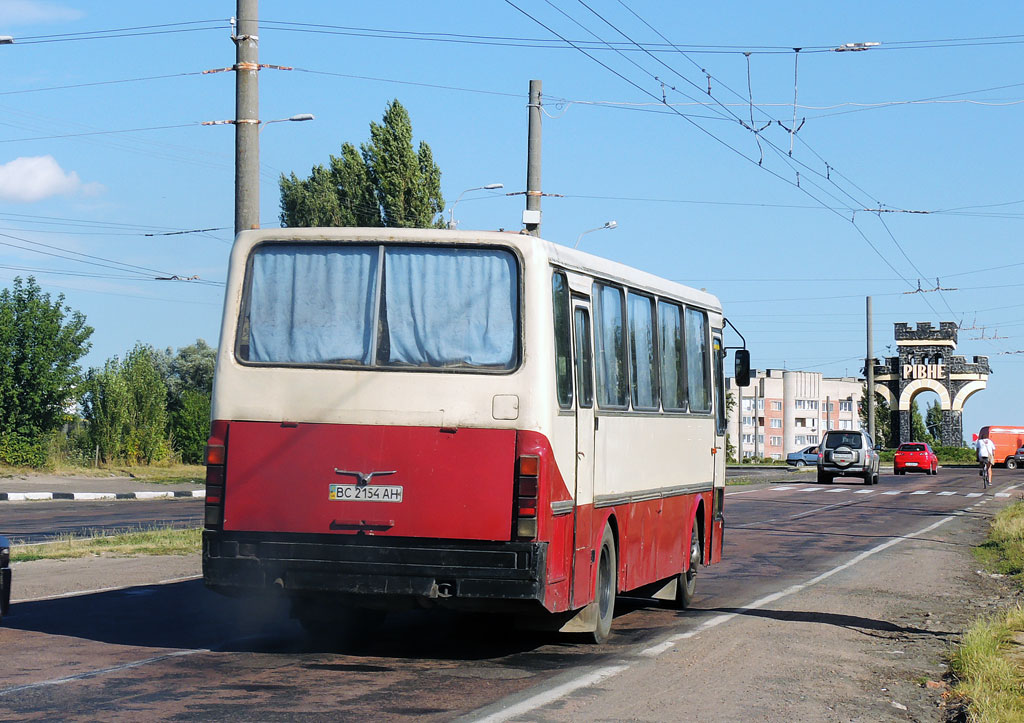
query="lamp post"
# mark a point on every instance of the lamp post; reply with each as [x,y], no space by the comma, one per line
[607,224]
[6,40]
[451,211]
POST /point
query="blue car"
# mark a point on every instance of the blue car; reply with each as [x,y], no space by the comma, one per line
[804,458]
[5,575]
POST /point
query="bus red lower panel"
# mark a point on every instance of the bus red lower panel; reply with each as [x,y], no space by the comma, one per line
[416,482]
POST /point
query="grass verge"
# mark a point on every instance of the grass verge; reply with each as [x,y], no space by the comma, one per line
[163,541]
[989,664]
[168,474]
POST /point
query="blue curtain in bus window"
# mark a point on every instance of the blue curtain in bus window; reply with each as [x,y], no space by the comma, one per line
[697,361]
[670,344]
[312,305]
[642,372]
[451,307]
[610,340]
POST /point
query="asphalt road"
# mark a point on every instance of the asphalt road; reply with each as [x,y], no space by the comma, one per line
[25,522]
[178,651]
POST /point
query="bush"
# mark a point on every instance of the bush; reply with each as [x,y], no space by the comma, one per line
[17,451]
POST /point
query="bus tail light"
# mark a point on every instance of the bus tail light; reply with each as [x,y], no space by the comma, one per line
[216,472]
[527,495]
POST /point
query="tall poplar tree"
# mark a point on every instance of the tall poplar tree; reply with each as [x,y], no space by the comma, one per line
[387,182]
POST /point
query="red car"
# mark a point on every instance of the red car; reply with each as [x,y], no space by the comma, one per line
[915,457]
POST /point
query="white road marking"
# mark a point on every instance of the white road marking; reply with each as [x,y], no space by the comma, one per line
[549,696]
[810,489]
[862,492]
[1002,494]
[945,494]
[781,489]
[893,492]
[840,489]
[920,492]
[973,494]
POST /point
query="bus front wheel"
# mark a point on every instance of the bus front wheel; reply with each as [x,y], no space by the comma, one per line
[604,588]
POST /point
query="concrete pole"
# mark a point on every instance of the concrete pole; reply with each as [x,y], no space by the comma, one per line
[247,113]
[869,373]
[533,162]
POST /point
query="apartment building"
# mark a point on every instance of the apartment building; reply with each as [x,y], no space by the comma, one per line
[785,411]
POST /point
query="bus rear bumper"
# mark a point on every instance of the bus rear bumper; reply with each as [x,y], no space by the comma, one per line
[374,570]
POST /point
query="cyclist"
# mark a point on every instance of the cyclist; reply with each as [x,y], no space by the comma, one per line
[986,452]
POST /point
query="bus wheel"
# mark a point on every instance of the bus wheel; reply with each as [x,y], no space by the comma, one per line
[687,586]
[604,589]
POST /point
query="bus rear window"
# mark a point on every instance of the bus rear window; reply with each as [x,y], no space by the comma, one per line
[394,306]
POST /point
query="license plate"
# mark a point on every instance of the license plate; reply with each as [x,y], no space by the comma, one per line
[911,464]
[367,493]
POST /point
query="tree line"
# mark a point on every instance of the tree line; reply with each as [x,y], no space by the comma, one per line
[150,406]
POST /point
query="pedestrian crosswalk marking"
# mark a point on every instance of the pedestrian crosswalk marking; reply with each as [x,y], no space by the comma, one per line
[810,489]
[920,492]
[893,492]
[862,492]
[839,489]
[1002,494]
[782,489]
[973,494]
[946,493]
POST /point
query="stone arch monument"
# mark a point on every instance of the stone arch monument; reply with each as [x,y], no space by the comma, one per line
[925,362]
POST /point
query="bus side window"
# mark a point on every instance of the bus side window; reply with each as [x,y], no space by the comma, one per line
[670,346]
[584,359]
[610,343]
[563,339]
[643,362]
[698,373]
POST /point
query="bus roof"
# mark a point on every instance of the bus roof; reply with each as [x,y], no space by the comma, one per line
[569,258]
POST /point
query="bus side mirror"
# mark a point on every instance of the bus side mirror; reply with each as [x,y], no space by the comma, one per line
[742,372]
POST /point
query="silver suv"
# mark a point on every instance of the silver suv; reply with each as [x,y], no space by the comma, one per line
[848,453]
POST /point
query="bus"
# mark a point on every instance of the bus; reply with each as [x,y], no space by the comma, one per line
[477,420]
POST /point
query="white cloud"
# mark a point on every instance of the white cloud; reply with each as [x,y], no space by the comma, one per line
[34,178]
[30,12]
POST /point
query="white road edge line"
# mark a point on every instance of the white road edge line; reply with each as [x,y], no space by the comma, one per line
[102,671]
[595,676]
[76,593]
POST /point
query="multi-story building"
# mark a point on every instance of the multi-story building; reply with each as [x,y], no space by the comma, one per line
[785,411]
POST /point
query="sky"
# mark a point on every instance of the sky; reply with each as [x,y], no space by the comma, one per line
[792,185]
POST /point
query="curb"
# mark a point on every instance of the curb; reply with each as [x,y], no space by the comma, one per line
[142,495]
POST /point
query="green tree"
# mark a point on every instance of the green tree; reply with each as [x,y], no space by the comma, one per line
[188,376]
[883,418]
[386,183]
[41,342]
[933,421]
[190,426]
[918,432]
[125,405]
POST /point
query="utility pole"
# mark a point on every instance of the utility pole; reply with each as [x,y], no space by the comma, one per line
[531,216]
[247,114]
[869,373]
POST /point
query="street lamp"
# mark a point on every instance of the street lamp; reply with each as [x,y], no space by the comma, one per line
[607,224]
[6,40]
[295,118]
[451,211]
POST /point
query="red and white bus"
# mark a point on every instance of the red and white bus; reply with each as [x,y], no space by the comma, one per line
[481,420]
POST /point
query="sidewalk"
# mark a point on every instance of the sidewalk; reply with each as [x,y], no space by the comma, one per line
[54,487]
